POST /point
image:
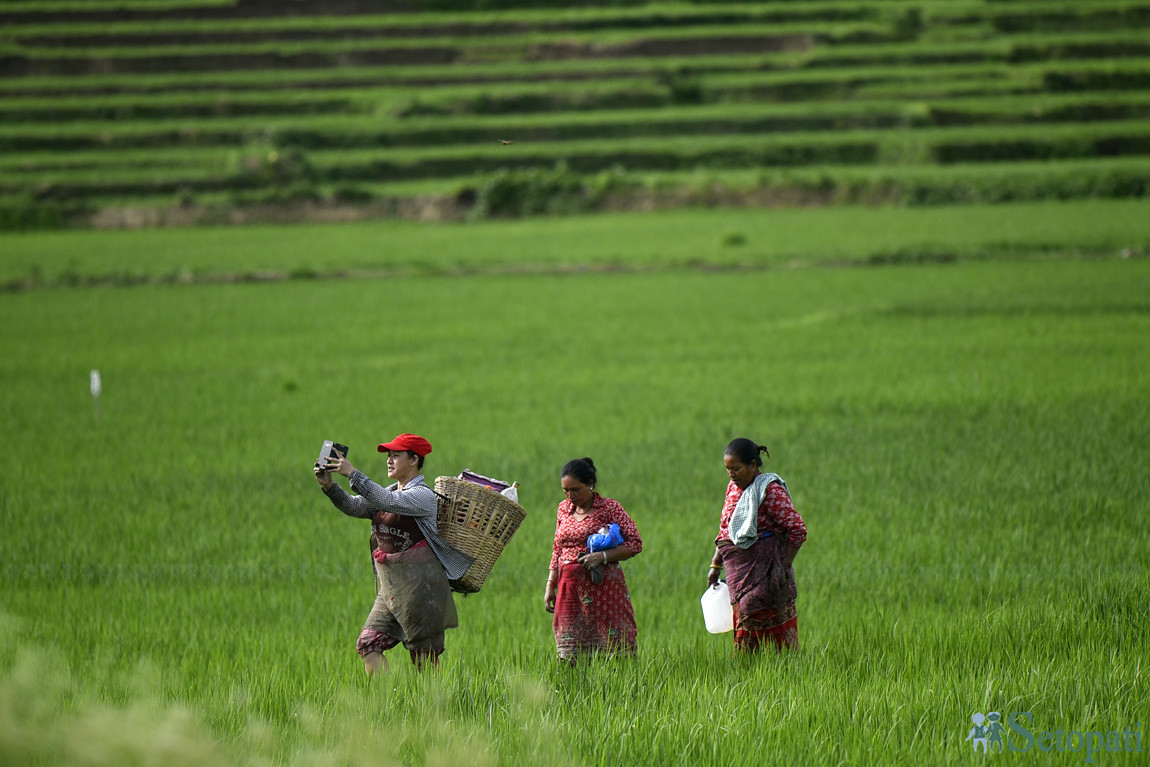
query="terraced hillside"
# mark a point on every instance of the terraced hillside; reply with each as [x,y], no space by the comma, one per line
[122,112]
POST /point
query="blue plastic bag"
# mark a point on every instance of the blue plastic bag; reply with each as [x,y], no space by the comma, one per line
[606,538]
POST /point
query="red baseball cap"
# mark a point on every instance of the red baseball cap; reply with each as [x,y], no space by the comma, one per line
[412,442]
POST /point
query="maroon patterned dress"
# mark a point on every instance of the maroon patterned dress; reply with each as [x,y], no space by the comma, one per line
[592,617]
[762,587]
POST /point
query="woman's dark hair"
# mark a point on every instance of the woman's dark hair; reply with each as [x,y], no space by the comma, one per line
[417,456]
[747,451]
[582,469]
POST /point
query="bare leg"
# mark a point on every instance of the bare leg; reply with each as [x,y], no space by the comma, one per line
[374,663]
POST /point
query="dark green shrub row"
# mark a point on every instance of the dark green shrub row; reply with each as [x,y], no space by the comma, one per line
[255,171]
[311,139]
[1081,19]
[753,79]
[559,190]
[275,9]
[535,191]
[64,61]
[68,193]
[64,111]
[254,9]
[480,30]
[655,129]
[716,126]
[58,205]
[1074,50]
[26,66]
[44,140]
[1124,79]
[645,16]
[992,187]
[1063,147]
[1016,53]
[265,165]
[24,212]
[1109,184]
[277,194]
[869,46]
[654,158]
[533,102]
[501,78]
[1085,112]
[672,88]
[680,88]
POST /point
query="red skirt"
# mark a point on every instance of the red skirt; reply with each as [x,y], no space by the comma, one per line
[592,618]
[767,628]
[762,594]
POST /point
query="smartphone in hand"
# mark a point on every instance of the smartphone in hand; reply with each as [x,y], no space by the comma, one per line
[327,453]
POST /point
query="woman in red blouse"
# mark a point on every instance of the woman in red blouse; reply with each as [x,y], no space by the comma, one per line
[590,616]
[758,547]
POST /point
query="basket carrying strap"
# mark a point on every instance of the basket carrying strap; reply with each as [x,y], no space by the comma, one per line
[371,542]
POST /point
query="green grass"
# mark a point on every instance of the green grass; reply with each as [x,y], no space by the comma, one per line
[965,442]
[769,238]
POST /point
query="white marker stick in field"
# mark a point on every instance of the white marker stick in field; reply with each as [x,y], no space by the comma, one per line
[94,385]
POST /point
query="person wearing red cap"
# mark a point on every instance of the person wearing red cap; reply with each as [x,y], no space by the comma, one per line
[413,565]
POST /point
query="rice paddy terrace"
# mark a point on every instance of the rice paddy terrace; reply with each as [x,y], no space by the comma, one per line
[122,112]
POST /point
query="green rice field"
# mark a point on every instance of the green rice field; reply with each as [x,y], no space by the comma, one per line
[956,396]
[135,113]
[903,243]
[698,238]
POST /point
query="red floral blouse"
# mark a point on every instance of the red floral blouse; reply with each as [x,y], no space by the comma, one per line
[571,534]
[776,514]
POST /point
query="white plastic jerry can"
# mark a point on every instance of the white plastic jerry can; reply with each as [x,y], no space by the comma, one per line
[717,612]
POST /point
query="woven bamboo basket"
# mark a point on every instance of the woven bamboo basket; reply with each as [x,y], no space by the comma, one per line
[477,521]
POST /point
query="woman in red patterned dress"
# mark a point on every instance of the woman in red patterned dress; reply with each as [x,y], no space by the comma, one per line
[592,613]
[759,536]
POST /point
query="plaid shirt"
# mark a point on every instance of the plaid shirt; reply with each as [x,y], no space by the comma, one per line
[415,500]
